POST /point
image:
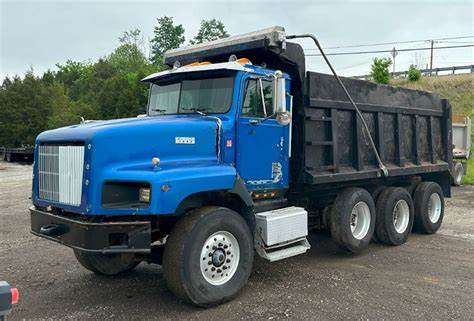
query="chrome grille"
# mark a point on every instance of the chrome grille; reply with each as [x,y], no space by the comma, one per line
[60,170]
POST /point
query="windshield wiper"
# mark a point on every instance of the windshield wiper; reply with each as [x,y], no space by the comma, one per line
[199,111]
[159,110]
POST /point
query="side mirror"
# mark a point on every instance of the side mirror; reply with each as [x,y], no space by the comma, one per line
[279,99]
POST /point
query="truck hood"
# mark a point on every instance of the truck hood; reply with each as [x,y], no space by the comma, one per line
[137,140]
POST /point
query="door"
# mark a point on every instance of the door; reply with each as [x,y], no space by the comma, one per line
[262,143]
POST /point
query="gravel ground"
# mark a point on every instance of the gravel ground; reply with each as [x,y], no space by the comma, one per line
[429,277]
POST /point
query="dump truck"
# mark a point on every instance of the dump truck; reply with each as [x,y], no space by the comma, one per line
[241,153]
[461,147]
[17,154]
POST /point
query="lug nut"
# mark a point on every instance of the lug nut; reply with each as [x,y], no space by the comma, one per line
[213,269]
[227,261]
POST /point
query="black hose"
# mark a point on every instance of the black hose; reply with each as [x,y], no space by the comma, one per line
[382,167]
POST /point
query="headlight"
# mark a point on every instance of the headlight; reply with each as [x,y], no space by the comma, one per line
[126,194]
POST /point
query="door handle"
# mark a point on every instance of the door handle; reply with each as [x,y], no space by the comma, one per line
[253,121]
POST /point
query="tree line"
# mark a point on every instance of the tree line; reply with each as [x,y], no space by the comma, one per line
[104,89]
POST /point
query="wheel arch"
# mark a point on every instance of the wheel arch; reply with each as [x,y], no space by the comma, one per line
[237,199]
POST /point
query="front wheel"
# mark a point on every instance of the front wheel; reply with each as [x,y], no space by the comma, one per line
[208,256]
[106,264]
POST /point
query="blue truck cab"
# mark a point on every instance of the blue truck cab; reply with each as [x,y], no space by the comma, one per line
[240,146]
[200,128]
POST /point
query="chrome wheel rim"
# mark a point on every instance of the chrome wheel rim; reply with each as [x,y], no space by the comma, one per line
[401,216]
[360,220]
[434,208]
[219,258]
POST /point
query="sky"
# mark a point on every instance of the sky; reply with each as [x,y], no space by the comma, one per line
[40,34]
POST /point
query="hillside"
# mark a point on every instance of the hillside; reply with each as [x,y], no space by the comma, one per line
[459,89]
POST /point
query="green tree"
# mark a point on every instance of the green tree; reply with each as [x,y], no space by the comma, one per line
[414,74]
[24,111]
[210,30]
[167,36]
[380,70]
[128,56]
[107,88]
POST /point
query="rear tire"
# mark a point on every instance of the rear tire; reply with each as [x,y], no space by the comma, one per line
[395,216]
[208,256]
[457,174]
[352,220]
[429,207]
[106,264]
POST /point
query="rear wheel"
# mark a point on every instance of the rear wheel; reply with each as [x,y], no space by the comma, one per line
[457,174]
[208,256]
[394,216]
[353,219]
[429,207]
[106,264]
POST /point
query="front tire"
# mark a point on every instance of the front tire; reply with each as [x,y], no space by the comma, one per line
[352,220]
[429,207]
[106,264]
[394,216]
[208,256]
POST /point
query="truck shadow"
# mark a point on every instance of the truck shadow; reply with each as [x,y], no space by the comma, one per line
[145,288]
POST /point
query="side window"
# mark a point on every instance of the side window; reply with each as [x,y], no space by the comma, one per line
[252,106]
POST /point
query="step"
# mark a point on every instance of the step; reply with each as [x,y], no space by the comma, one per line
[286,251]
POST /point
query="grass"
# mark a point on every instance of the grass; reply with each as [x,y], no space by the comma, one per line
[469,178]
[459,89]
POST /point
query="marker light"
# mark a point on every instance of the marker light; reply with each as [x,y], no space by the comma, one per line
[15,295]
[244,61]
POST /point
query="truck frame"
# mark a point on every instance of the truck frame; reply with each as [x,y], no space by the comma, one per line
[243,151]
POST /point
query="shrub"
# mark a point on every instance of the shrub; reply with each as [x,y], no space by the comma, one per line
[379,70]
[414,74]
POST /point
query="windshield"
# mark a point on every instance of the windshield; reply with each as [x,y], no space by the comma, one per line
[210,96]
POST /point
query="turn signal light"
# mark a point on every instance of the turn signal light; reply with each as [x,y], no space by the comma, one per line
[144,195]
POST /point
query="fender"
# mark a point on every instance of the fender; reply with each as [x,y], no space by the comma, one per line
[171,184]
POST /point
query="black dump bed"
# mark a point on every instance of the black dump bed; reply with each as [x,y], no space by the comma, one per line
[411,129]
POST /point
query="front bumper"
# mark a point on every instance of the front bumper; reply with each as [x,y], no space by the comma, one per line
[104,237]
